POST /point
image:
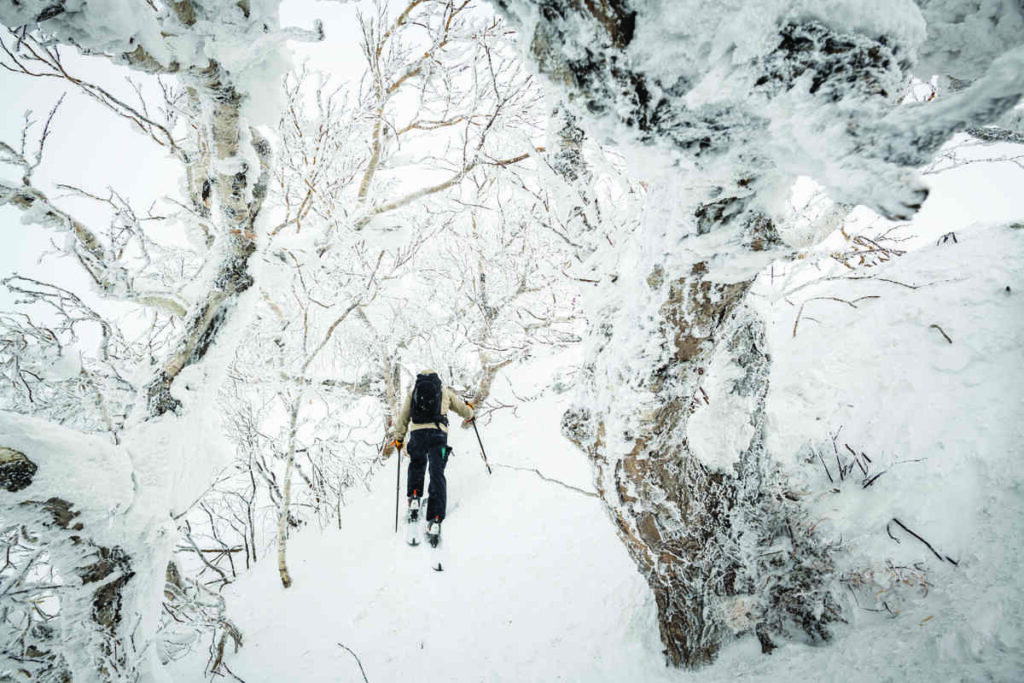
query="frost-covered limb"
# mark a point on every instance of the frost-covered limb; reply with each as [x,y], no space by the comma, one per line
[240,200]
[121,266]
[497,311]
[26,628]
[30,55]
[315,159]
[818,90]
[52,368]
[388,349]
[454,180]
[978,149]
[110,277]
[475,106]
[214,56]
[21,158]
[374,41]
[282,524]
[69,309]
[390,67]
[189,604]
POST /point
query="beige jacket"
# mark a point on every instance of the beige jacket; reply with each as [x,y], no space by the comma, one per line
[449,402]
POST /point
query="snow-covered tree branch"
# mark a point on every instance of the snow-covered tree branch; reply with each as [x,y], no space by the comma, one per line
[211,54]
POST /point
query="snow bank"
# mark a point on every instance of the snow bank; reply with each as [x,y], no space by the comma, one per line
[923,378]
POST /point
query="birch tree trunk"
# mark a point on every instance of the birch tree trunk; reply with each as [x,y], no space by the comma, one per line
[286,495]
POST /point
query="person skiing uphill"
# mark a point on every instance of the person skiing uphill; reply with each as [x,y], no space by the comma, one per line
[424,417]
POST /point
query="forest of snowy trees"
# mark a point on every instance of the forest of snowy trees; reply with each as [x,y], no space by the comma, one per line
[211,368]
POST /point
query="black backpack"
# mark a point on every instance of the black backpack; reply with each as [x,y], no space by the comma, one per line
[425,406]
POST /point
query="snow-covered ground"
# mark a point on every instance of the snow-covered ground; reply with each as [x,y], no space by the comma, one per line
[940,420]
[537,586]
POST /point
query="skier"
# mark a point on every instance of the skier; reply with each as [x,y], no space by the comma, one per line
[424,417]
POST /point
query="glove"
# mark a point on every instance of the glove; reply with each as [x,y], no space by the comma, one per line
[399,443]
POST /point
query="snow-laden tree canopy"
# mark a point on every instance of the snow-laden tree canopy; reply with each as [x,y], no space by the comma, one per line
[773,90]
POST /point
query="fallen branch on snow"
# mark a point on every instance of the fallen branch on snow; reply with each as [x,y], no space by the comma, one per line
[361,669]
[942,332]
[851,304]
[590,494]
[944,558]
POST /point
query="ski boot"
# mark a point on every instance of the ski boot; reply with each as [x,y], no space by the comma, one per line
[413,515]
[434,532]
[412,518]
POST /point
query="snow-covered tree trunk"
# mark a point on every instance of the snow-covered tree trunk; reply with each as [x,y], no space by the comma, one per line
[672,411]
[286,496]
[96,570]
[120,557]
[695,512]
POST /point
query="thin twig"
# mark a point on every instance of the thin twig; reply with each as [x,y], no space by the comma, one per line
[934,551]
[872,480]
[856,601]
[361,669]
[830,479]
[942,332]
[590,494]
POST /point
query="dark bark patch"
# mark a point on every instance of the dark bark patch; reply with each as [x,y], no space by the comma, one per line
[107,599]
[16,470]
[836,64]
[60,514]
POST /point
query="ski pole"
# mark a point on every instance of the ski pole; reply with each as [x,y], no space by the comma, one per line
[483,453]
[398,481]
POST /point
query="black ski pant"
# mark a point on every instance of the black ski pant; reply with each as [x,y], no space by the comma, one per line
[428,446]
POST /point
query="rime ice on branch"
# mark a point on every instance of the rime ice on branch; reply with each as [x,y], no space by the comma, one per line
[213,59]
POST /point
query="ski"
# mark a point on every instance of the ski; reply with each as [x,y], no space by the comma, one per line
[433,537]
[412,522]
